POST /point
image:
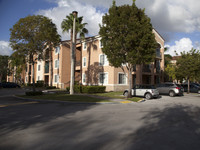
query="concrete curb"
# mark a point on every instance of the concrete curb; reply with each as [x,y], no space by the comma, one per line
[58,101]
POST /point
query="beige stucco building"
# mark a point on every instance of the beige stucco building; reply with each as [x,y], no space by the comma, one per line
[92,67]
[97,71]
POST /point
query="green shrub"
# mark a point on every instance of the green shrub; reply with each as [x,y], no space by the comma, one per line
[51,87]
[87,89]
[93,89]
[67,89]
[34,93]
[39,83]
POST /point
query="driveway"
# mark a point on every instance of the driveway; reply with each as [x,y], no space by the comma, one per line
[160,124]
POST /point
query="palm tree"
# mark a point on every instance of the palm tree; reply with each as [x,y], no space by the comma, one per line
[67,26]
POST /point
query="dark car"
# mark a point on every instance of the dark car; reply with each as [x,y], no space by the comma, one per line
[170,88]
[147,91]
[9,85]
[194,88]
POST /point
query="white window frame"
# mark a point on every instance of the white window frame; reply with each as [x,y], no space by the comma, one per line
[84,61]
[56,78]
[125,75]
[39,67]
[83,78]
[100,43]
[56,66]
[57,50]
[106,63]
[84,46]
[105,82]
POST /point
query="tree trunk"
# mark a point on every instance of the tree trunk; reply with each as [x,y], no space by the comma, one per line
[188,91]
[130,70]
[51,61]
[72,66]
[33,77]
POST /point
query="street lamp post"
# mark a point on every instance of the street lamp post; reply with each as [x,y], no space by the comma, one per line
[73,48]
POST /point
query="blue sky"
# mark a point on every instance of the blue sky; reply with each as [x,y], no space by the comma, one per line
[178,21]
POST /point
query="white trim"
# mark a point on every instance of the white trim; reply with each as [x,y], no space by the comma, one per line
[106,83]
[100,46]
[83,74]
[84,46]
[106,63]
[39,67]
[58,78]
[58,52]
[125,78]
[85,62]
[57,63]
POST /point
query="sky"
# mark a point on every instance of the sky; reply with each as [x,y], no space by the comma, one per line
[177,21]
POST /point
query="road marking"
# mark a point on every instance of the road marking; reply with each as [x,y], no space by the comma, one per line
[125,102]
[18,104]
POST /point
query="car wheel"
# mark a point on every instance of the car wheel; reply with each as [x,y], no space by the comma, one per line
[126,94]
[148,96]
[171,94]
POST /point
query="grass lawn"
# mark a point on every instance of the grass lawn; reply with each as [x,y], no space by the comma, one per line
[67,97]
[118,95]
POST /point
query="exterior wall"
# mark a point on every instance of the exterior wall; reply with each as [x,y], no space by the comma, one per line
[40,73]
[92,69]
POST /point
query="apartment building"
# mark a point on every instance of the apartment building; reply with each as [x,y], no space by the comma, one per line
[92,67]
[97,71]
[60,65]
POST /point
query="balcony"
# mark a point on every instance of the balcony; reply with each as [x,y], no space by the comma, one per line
[158,54]
[78,65]
[146,68]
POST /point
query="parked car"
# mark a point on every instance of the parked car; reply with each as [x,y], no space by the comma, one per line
[9,85]
[194,88]
[170,88]
[147,91]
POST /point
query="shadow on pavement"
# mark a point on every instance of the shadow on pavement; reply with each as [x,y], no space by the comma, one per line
[175,128]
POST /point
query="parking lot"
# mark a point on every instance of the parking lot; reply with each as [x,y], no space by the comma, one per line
[164,123]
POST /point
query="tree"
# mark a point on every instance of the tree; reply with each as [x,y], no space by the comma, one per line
[3,68]
[127,38]
[170,69]
[67,26]
[30,36]
[188,66]
[17,64]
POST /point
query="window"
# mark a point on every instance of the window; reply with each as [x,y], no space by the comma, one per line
[84,46]
[56,64]
[84,61]
[103,78]
[38,67]
[103,61]
[121,78]
[38,78]
[57,50]
[100,44]
[56,78]
[83,78]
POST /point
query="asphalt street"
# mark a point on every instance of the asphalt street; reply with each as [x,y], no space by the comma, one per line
[161,124]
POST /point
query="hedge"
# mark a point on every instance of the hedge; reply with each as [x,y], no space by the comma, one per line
[34,93]
[88,89]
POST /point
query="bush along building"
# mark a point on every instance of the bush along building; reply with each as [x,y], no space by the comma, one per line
[92,67]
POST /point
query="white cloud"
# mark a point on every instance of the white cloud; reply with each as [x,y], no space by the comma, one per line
[5,49]
[184,44]
[90,15]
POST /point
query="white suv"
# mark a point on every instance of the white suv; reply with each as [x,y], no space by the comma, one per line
[147,91]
